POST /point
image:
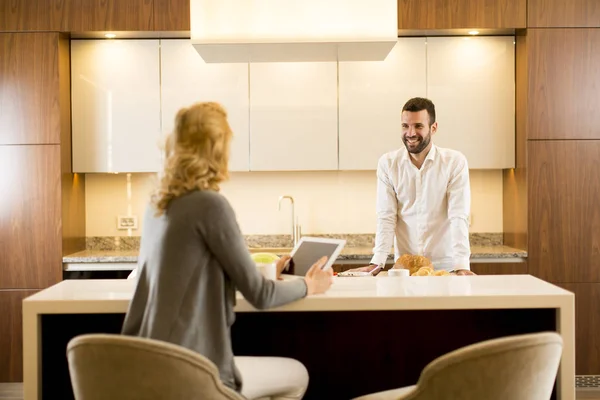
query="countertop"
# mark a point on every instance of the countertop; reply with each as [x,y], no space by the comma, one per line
[349,254]
[346,294]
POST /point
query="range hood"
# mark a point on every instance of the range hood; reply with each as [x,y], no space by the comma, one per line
[242,31]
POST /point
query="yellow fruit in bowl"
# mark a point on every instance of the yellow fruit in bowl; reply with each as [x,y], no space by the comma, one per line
[264,258]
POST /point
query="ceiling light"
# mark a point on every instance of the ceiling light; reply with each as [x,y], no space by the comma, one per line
[110,35]
[473,32]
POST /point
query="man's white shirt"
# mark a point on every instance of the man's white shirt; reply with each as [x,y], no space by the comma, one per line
[424,211]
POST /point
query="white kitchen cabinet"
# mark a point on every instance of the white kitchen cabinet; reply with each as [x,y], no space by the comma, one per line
[115,105]
[472,83]
[371,96]
[293,116]
[187,79]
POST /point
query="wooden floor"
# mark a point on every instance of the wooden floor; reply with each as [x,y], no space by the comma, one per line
[14,391]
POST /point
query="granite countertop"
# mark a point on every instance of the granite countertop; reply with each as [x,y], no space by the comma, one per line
[348,253]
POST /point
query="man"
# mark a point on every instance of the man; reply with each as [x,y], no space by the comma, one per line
[423,197]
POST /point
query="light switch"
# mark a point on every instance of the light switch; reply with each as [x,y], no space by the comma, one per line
[127,222]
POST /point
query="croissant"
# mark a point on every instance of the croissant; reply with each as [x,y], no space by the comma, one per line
[412,263]
[424,271]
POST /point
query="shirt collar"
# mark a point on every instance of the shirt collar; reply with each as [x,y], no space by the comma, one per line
[432,153]
[430,156]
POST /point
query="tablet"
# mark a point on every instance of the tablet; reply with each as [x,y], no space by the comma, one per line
[310,249]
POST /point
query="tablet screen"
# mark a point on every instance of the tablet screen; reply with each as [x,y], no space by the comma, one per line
[309,252]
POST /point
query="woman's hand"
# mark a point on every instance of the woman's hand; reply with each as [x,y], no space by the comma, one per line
[317,280]
[282,263]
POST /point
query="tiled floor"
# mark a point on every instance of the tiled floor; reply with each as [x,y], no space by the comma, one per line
[14,391]
[11,391]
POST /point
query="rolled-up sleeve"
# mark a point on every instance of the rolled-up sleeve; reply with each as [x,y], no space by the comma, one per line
[459,208]
[387,214]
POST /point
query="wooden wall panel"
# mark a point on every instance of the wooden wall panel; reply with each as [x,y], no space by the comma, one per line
[564,210]
[73,213]
[30,217]
[499,268]
[514,207]
[32,15]
[11,334]
[29,103]
[564,83]
[171,15]
[77,15]
[514,200]
[455,14]
[563,13]
[587,326]
[111,15]
[64,95]
[72,185]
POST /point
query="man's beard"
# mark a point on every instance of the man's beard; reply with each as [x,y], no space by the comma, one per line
[419,146]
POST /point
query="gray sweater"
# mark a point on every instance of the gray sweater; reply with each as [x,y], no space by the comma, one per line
[192,260]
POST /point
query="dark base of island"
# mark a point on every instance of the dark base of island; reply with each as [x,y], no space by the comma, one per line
[347,353]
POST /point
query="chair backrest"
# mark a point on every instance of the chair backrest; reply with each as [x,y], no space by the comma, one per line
[121,367]
[522,367]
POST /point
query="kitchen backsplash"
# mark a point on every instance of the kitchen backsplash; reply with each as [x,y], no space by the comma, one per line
[326,202]
[132,243]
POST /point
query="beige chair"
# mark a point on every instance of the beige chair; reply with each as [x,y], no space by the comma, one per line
[520,367]
[120,367]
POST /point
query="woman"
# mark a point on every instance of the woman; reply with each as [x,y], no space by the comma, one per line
[193,258]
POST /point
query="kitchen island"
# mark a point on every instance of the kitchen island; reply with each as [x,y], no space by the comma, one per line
[364,335]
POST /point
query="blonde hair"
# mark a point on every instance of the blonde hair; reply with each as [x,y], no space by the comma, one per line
[197,153]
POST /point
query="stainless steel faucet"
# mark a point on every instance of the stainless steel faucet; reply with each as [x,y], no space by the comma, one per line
[296,230]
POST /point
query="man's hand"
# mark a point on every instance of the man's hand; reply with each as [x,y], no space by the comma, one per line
[464,272]
[368,268]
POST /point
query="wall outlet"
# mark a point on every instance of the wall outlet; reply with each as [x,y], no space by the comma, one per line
[127,222]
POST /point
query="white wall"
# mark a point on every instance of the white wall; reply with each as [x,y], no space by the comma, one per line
[326,202]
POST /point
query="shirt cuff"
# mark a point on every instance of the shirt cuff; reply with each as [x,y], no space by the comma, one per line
[462,263]
[379,259]
[305,287]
